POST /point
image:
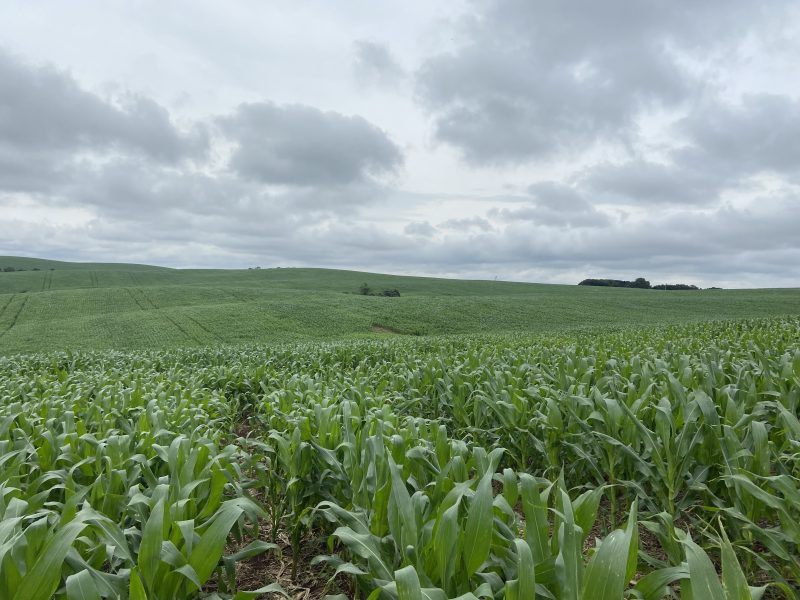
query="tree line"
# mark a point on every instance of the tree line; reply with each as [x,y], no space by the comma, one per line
[640,283]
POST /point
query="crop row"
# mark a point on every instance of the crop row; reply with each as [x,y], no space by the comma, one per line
[648,463]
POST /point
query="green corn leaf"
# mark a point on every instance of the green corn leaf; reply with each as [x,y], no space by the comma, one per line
[632,532]
[511,590]
[446,543]
[408,587]
[150,547]
[605,574]
[272,588]
[704,583]
[365,546]
[81,586]
[401,500]
[207,553]
[189,573]
[613,564]
[252,549]
[653,586]
[510,487]
[136,589]
[585,507]
[534,505]
[41,581]
[733,579]
[526,576]
[478,532]
[569,563]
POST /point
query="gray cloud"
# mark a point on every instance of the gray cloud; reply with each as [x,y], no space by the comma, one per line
[536,79]
[235,225]
[759,133]
[32,171]
[302,145]
[140,191]
[420,228]
[466,224]
[643,182]
[44,109]
[677,113]
[554,204]
[724,144]
[375,66]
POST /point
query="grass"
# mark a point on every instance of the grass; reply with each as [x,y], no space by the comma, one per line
[124,306]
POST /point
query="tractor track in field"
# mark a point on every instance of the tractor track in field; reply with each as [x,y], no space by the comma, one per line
[16,316]
[206,329]
[135,299]
[147,299]
[181,329]
[5,306]
[177,325]
[47,280]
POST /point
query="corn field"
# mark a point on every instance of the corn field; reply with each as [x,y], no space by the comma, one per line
[647,464]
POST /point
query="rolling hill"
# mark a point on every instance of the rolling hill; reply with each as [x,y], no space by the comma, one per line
[124,306]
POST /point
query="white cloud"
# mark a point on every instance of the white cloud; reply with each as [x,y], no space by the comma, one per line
[542,141]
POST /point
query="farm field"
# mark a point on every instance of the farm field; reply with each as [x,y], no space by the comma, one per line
[331,411]
[106,306]
[646,462]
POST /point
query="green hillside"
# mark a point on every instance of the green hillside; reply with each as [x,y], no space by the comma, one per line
[95,305]
[27,263]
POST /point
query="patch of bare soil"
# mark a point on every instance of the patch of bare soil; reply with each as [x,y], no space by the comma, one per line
[244,427]
[377,328]
[310,582]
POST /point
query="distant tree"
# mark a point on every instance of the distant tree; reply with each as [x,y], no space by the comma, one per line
[675,286]
[640,283]
[391,293]
[9,269]
[364,290]
[598,282]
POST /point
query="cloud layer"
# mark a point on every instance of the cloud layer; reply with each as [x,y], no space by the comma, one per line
[544,141]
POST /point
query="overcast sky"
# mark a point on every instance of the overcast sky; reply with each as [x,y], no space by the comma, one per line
[532,140]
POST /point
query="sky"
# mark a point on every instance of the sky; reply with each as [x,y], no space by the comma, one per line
[526,140]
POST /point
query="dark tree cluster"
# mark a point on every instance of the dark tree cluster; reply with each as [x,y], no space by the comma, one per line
[675,286]
[365,290]
[640,283]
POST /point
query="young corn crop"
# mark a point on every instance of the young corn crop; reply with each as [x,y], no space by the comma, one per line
[649,464]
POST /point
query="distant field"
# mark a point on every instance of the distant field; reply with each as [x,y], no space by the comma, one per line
[95,305]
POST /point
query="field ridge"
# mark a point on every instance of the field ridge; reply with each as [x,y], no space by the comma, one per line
[102,306]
